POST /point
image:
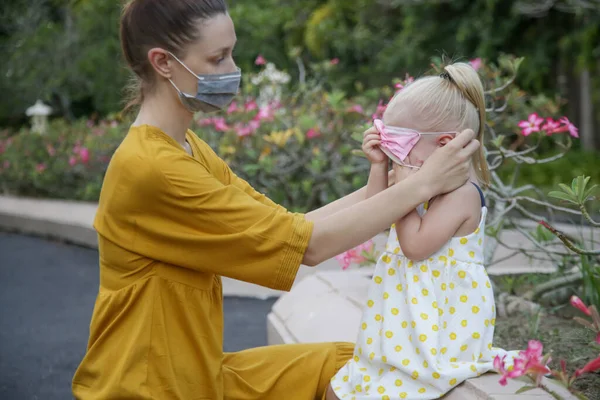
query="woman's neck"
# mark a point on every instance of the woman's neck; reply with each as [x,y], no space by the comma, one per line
[164,111]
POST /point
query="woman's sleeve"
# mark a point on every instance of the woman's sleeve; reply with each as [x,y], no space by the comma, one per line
[246,188]
[193,220]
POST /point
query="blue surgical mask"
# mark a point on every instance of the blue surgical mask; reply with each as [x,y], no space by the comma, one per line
[215,91]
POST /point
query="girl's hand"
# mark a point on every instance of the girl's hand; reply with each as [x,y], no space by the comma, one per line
[370,146]
[449,167]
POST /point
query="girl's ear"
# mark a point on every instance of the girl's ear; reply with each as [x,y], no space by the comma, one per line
[443,140]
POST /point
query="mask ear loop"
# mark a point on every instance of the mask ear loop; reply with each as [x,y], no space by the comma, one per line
[185,66]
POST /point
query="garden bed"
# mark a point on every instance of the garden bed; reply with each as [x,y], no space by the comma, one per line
[566,339]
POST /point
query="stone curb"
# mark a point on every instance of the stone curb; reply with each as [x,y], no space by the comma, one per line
[72,221]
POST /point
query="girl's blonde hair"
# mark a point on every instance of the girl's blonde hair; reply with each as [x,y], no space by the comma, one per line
[454,100]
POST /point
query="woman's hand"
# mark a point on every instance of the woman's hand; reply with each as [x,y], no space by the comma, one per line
[370,146]
[448,167]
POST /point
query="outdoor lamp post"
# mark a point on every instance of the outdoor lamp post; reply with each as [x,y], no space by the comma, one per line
[39,116]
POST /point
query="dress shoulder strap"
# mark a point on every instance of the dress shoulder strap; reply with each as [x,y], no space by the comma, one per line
[480,194]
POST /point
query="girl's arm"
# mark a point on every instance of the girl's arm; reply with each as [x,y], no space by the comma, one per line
[419,237]
[446,169]
[378,179]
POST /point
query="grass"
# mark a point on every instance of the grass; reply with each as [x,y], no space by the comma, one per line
[562,336]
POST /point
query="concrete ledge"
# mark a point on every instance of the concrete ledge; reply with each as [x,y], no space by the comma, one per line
[327,307]
[73,222]
[69,221]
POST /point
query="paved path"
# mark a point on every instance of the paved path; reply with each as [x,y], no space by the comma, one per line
[47,292]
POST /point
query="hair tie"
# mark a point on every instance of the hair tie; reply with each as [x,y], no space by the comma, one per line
[445,75]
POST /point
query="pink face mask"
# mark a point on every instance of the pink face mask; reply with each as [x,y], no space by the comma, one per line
[397,142]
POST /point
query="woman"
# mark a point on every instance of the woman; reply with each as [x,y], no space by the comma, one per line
[173,218]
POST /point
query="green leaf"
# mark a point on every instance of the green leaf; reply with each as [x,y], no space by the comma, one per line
[562,196]
[588,193]
[518,62]
[543,235]
[566,189]
[525,389]
[359,153]
[498,141]
[357,136]
[306,122]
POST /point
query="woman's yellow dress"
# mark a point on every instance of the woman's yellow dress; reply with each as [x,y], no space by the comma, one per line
[169,226]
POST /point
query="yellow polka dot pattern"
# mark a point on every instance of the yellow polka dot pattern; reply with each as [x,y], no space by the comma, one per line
[426,326]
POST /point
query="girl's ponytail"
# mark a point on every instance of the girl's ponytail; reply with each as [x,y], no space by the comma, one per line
[466,79]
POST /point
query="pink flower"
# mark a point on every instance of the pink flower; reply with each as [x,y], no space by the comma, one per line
[592,366]
[220,124]
[89,123]
[407,80]
[6,164]
[344,259]
[379,111]
[355,255]
[499,367]
[531,125]
[248,129]
[313,133]
[98,131]
[84,153]
[72,161]
[476,63]
[40,167]
[531,360]
[232,107]
[250,106]
[573,131]
[50,149]
[205,121]
[334,61]
[528,362]
[580,305]
[265,113]
[551,126]
[357,108]
[366,246]
[260,60]
[114,124]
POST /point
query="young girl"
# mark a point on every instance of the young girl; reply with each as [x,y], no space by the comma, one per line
[429,319]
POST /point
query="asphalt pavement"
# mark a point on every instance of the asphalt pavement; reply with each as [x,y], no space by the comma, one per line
[47,293]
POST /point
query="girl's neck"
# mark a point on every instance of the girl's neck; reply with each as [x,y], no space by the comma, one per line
[473,176]
[165,112]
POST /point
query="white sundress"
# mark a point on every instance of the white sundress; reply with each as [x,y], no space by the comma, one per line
[427,325]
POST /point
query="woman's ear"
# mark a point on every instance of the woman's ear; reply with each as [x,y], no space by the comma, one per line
[443,140]
[160,61]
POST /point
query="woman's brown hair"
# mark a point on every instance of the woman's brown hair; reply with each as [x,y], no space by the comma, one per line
[168,24]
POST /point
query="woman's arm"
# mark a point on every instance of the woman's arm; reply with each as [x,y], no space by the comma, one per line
[446,169]
[344,202]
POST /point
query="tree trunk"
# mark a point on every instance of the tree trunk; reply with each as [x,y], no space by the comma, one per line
[586,111]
